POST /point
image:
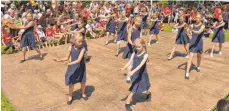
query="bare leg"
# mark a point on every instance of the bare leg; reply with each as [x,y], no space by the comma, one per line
[24,52]
[118,47]
[38,51]
[198,60]
[71,87]
[83,89]
[189,63]
[150,39]
[28,48]
[186,50]
[157,38]
[169,20]
[66,39]
[220,48]
[107,38]
[212,51]
[172,53]
[129,98]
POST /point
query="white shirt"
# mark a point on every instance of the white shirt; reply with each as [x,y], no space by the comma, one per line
[102,17]
[40,33]
[107,10]
[7,16]
[136,9]
[89,27]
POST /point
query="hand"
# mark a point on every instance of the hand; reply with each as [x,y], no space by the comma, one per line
[121,69]
[68,64]
[130,73]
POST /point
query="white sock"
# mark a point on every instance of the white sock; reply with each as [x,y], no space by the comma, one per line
[187,74]
[198,68]
[211,54]
[128,78]
[220,53]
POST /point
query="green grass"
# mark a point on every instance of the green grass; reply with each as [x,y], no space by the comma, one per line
[6,105]
[167,28]
[9,51]
[226,97]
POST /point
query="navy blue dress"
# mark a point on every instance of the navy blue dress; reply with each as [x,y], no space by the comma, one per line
[110,27]
[129,49]
[154,28]
[77,72]
[182,37]
[140,79]
[196,43]
[27,38]
[122,31]
[144,21]
[218,36]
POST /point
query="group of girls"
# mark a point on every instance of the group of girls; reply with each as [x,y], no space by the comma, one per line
[135,49]
[196,43]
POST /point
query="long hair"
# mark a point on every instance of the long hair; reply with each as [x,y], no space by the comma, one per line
[223,105]
[143,43]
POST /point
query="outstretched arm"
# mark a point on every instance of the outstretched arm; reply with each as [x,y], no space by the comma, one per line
[30,24]
[66,58]
[129,62]
[177,26]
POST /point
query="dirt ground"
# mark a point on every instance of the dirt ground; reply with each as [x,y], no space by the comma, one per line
[39,85]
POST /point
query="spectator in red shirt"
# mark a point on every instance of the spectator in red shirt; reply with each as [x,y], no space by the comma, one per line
[217,12]
[7,40]
[49,35]
[56,32]
[128,9]
[192,16]
[79,6]
[85,14]
[167,13]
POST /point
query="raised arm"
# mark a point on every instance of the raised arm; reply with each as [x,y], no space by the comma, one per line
[73,24]
[79,58]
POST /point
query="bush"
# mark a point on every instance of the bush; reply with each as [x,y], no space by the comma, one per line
[88,35]
[6,106]
[9,51]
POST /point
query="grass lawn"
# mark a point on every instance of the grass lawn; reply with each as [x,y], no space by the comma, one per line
[168,28]
[6,105]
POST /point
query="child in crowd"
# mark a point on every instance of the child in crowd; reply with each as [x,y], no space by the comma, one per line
[41,36]
[49,36]
[7,40]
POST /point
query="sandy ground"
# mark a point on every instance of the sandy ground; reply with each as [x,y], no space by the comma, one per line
[39,85]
